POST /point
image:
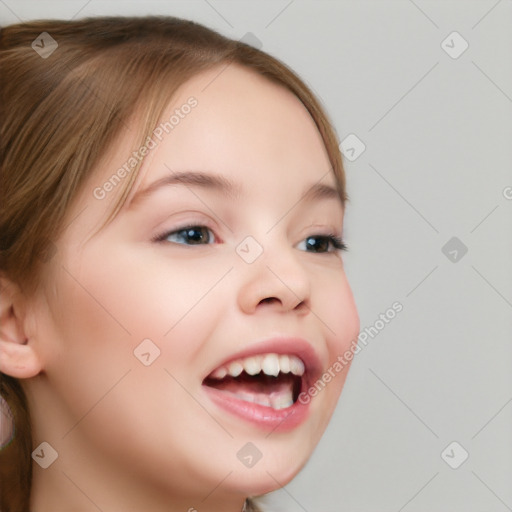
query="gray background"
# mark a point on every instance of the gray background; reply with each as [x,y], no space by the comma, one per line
[437,164]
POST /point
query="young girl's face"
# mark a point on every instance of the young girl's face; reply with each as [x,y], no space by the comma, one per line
[194,279]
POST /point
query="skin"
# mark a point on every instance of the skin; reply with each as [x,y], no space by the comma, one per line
[133,437]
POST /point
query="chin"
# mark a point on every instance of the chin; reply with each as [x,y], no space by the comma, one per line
[263,481]
[274,470]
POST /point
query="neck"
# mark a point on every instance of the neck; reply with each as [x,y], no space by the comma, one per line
[60,489]
[84,479]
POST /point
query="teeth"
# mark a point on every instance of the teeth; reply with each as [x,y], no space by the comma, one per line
[247,397]
[296,366]
[284,364]
[269,364]
[262,400]
[281,400]
[252,365]
[234,369]
[220,373]
[275,400]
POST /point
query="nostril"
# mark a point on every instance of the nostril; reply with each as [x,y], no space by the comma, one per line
[269,300]
[302,306]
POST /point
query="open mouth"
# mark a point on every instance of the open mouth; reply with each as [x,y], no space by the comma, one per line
[269,380]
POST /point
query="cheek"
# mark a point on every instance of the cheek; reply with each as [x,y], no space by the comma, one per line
[107,308]
[147,293]
[86,348]
[91,365]
[338,315]
[341,316]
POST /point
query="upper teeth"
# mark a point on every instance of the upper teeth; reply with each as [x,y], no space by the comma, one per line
[269,364]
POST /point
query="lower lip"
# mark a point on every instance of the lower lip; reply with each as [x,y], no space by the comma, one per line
[280,420]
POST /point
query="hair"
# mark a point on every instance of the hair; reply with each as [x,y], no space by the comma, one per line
[60,114]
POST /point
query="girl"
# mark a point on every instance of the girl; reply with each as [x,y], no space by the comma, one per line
[173,303]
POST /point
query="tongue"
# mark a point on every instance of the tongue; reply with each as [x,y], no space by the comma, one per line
[261,389]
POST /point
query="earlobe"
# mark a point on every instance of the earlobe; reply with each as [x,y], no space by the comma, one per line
[18,361]
[17,355]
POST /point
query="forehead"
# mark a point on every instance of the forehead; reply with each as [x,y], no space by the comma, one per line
[243,126]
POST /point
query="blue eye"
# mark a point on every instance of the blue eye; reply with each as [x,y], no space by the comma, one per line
[199,235]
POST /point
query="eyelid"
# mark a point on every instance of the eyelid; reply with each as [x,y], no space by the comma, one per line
[321,230]
[336,241]
[162,235]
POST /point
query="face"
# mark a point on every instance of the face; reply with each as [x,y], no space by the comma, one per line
[177,338]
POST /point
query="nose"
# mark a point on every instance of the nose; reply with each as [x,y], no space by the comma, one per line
[276,280]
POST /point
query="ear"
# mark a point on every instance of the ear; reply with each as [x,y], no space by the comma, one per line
[17,355]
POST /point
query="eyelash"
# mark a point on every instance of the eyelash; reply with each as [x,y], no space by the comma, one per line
[336,241]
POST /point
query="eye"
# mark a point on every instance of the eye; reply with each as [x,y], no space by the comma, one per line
[321,243]
[196,235]
[200,235]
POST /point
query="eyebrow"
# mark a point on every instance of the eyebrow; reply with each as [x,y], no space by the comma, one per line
[220,184]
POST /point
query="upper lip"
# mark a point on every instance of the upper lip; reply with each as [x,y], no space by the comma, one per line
[290,345]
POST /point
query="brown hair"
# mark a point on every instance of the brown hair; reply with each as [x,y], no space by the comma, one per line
[102,71]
